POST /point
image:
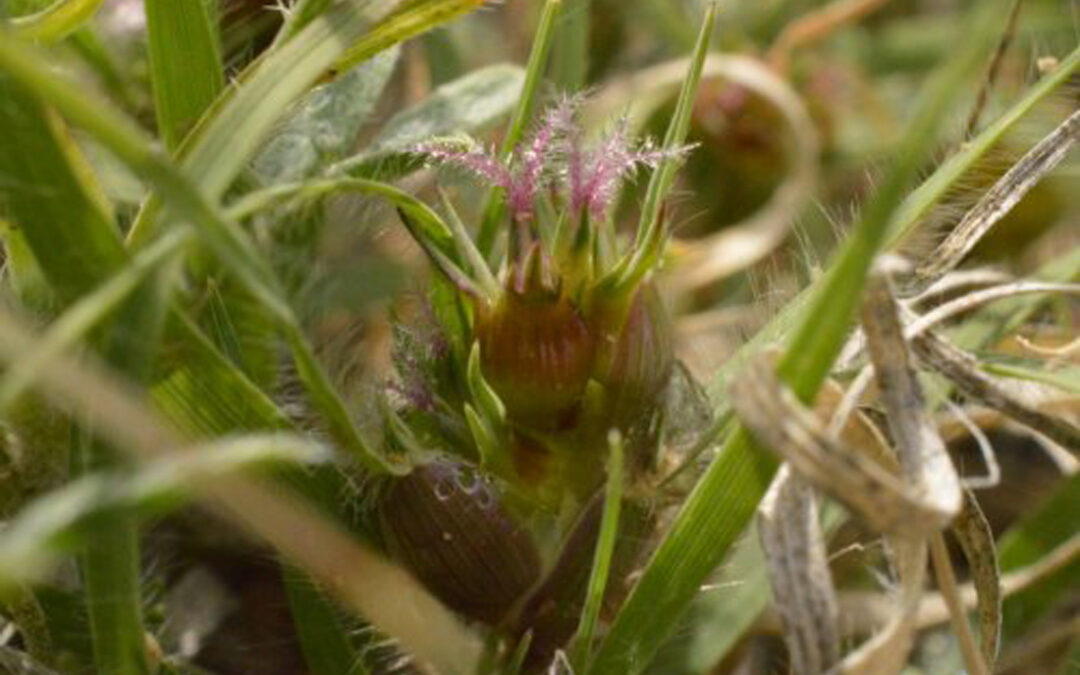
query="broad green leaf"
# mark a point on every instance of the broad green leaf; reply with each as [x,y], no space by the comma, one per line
[324,123]
[722,503]
[185,63]
[468,104]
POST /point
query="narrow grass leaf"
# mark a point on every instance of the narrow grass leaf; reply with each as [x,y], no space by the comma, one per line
[54,523]
[605,548]
[55,22]
[1038,534]
[664,176]
[52,195]
[494,205]
[703,531]
[185,63]
[319,628]
[89,312]
[570,61]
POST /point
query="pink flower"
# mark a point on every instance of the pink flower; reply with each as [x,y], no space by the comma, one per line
[554,155]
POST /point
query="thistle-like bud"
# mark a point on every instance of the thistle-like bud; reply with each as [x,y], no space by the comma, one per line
[445,521]
[640,356]
[536,349]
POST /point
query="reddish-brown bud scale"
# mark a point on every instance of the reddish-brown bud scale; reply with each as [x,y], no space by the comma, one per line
[640,356]
[536,352]
[447,524]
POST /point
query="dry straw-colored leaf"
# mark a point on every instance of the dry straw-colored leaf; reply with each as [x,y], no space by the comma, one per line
[921,451]
[794,545]
[976,539]
[999,200]
[962,370]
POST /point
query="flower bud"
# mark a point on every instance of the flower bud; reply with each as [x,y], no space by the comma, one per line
[445,521]
[536,350]
[641,356]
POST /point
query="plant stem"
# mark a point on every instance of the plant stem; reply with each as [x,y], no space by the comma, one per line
[946,581]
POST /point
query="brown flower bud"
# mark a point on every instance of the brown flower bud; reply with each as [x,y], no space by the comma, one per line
[536,350]
[445,522]
[641,356]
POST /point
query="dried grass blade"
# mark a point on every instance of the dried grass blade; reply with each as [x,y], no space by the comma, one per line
[794,545]
[972,531]
[921,451]
[946,581]
[999,200]
[887,652]
[775,418]
[962,369]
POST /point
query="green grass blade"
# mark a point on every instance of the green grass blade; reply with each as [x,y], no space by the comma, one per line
[494,206]
[86,314]
[52,195]
[650,237]
[300,15]
[75,251]
[228,241]
[918,203]
[1035,536]
[205,393]
[907,217]
[185,64]
[55,522]
[221,145]
[703,531]
[323,639]
[56,21]
[570,59]
[581,645]
[415,17]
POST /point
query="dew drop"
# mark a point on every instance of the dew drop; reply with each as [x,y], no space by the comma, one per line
[444,490]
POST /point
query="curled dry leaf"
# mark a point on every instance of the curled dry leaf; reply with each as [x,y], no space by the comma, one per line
[921,451]
[999,200]
[963,370]
[742,244]
[776,418]
[919,324]
[976,539]
[794,546]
